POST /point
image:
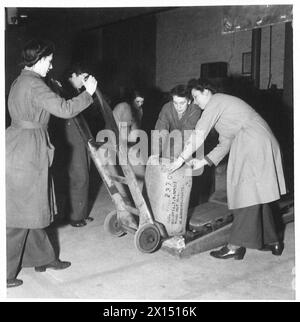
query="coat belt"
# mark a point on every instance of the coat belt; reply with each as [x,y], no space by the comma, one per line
[28,124]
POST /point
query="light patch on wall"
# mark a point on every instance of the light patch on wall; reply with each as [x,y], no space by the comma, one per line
[246,63]
[238,18]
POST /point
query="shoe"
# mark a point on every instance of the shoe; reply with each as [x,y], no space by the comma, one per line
[276,249]
[225,253]
[57,264]
[13,282]
[78,223]
[89,219]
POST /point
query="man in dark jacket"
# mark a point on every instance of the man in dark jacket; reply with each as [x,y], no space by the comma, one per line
[74,154]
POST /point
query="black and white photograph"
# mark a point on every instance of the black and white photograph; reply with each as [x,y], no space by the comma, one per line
[149,153]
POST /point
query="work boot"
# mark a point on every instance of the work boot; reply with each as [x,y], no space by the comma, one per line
[276,248]
[78,223]
[226,253]
[57,265]
[13,282]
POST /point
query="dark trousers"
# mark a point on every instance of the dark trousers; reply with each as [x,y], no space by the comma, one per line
[253,227]
[79,189]
[27,248]
[78,171]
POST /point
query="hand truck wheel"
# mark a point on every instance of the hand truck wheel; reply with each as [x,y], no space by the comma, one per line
[112,225]
[147,238]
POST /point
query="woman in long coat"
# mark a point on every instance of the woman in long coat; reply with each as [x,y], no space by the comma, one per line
[254,175]
[30,201]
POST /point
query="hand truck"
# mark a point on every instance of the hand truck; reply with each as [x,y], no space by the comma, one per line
[129,203]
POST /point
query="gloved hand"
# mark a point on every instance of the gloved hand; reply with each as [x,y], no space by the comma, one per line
[196,164]
[176,164]
[90,84]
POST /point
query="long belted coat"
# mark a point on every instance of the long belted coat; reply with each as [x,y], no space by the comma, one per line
[254,172]
[30,201]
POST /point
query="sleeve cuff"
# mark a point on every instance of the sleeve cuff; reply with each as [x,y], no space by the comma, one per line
[210,163]
[88,96]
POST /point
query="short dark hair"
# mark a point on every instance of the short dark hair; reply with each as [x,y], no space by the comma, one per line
[77,68]
[201,84]
[36,49]
[181,91]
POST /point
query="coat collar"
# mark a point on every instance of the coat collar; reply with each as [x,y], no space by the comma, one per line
[26,72]
[186,112]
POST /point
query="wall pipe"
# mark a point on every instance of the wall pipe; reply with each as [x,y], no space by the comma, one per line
[255,56]
[270,59]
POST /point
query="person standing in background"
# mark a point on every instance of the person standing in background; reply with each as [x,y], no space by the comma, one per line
[73,157]
[129,111]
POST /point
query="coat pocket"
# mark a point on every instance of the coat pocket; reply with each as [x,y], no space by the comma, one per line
[21,183]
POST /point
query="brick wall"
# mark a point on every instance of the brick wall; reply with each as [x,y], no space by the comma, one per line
[190,36]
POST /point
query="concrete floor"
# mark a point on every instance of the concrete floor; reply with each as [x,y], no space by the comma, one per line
[106,267]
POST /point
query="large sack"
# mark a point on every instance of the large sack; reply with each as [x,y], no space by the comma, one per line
[168,195]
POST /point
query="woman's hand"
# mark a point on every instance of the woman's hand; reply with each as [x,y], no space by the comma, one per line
[196,164]
[176,164]
[90,84]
